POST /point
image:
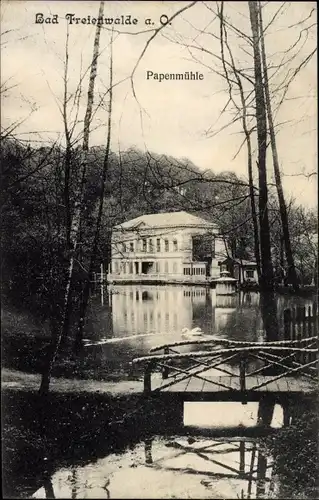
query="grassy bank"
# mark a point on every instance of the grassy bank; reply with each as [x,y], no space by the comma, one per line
[41,434]
[25,342]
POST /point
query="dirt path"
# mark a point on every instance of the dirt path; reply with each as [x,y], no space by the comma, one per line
[16,380]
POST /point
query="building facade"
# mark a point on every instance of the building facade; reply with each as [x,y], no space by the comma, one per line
[166,247]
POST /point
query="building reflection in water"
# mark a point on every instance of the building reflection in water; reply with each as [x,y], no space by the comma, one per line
[136,318]
[138,309]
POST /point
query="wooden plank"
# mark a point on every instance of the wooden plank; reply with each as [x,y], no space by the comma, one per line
[235,383]
[278,385]
[157,382]
[285,380]
[195,385]
[178,387]
[231,384]
[211,387]
[271,387]
[259,379]
[250,382]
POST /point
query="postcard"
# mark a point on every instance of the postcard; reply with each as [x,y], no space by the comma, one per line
[159,249]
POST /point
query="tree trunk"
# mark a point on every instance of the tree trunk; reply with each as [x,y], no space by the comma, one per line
[249,153]
[76,221]
[67,163]
[87,286]
[291,272]
[250,179]
[267,273]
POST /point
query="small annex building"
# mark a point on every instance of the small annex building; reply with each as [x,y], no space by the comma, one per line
[245,271]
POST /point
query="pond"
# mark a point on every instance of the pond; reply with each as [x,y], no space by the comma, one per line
[132,319]
[198,466]
[80,450]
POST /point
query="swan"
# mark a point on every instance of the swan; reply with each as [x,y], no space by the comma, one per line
[194,332]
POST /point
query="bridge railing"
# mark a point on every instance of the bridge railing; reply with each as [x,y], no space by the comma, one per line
[282,355]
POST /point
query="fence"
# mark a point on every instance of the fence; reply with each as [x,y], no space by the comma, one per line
[301,323]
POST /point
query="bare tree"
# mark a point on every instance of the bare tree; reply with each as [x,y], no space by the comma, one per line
[291,272]
[76,219]
[267,276]
[96,238]
[243,111]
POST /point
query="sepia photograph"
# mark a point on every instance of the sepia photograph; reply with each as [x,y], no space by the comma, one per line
[159,249]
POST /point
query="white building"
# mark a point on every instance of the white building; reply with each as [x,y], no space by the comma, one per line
[166,247]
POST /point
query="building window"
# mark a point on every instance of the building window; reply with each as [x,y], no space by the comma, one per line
[124,267]
[175,245]
[150,246]
[116,266]
[157,267]
[166,267]
[123,247]
[158,245]
[132,246]
[187,271]
[144,245]
[166,245]
[174,267]
[250,273]
[131,267]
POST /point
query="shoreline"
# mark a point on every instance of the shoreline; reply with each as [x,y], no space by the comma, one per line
[22,381]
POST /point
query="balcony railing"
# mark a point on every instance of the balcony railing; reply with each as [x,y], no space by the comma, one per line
[157,277]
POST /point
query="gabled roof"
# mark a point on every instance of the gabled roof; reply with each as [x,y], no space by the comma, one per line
[168,219]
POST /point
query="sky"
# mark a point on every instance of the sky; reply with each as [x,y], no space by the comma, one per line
[178,118]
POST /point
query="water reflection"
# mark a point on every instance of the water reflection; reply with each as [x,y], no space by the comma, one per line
[230,414]
[177,467]
[138,309]
[198,465]
[136,318]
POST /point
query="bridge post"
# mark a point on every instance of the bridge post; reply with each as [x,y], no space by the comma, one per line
[165,370]
[148,377]
[242,375]
[242,372]
[242,456]
[148,451]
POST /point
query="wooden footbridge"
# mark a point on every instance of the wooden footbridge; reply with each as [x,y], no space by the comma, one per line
[227,369]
